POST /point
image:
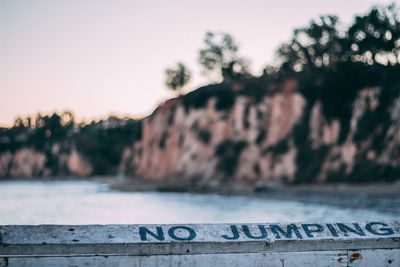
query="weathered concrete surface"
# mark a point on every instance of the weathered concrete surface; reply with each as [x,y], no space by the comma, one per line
[286,259]
[298,244]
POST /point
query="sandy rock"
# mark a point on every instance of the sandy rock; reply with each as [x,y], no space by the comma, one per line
[77,165]
[27,163]
[5,163]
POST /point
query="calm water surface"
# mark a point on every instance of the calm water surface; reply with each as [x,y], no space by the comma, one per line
[84,202]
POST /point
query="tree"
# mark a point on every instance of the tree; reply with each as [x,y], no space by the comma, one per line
[177,77]
[375,34]
[220,54]
[372,38]
[67,119]
[320,44]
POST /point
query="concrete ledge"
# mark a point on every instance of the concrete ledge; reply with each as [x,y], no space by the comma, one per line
[271,244]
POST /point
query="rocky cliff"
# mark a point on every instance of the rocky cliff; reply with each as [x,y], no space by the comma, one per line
[280,136]
[53,148]
[245,132]
[30,163]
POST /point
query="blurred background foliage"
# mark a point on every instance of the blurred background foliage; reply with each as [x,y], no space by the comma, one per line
[332,62]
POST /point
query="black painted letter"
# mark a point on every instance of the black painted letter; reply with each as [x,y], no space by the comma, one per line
[234,232]
[332,230]
[318,229]
[192,233]
[263,232]
[288,234]
[382,231]
[143,231]
[345,229]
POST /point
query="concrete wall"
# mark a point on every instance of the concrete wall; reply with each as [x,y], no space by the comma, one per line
[294,244]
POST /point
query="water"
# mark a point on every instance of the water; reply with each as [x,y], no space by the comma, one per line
[84,202]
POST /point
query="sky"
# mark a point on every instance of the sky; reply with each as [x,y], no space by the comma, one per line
[100,57]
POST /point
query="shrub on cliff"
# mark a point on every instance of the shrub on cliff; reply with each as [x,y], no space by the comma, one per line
[198,99]
[177,77]
[228,153]
[373,38]
[221,55]
[102,145]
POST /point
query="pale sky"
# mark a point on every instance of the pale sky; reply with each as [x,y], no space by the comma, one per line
[102,57]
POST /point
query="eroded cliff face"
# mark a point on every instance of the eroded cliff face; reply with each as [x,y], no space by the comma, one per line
[221,135]
[257,140]
[201,143]
[24,163]
[30,163]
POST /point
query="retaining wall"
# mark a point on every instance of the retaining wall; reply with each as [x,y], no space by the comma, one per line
[265,244]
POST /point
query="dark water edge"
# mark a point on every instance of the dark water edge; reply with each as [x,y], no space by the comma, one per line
[383,197]
[266,189]
[133,184]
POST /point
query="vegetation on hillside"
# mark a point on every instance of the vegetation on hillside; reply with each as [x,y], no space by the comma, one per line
[101,143]
[177,77]
[332,64]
